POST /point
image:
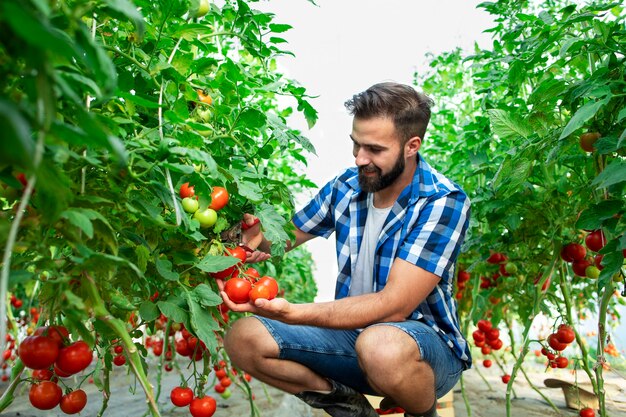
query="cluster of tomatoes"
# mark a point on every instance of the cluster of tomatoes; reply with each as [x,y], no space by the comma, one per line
[247,286]
[505,269]
[576,254]
[487,338]
[191,205]
[558,341]
[50,354]
[203,405]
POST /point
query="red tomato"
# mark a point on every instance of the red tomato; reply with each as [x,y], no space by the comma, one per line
[587,412]
[271,284]
[238,290]
[259,291]
[565,334]
[506,378]
[45,395]
[61,373]
[561,362]
[119,360]
[186,190]
[595,240]
[478,336]
[181,396]
[252,273]
[484,325]
[38,352]
[202,406]
[182,347]
[487,363]
[42,374]
[575,252]
[60,334]
[74,402]
[580,267]
[219,388]
[495,258]
[464,276]
[75,357]
[493,334]
[485,350]
[239,253]
[225,382]
[496,344]
[219,198]
[220,373]
[555,344]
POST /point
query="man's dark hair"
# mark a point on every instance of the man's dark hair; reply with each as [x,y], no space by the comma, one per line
[408,109]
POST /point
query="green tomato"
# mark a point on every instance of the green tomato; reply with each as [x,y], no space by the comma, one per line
[190,204]
[510,268]
[226,394]
[207,218]
[592,272]
[202,8]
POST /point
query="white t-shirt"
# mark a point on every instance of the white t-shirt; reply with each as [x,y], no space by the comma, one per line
[362,280]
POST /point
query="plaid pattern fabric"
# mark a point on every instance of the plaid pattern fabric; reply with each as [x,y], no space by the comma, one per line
[426,227]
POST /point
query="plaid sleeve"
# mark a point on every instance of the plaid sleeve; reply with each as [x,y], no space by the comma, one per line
[435,240]
[316,217]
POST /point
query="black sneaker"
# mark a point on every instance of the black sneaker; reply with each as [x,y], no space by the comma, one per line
[342,401]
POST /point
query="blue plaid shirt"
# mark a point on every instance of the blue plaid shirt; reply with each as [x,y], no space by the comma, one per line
[426,227]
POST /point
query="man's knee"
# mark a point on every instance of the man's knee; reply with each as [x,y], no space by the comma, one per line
[249,339]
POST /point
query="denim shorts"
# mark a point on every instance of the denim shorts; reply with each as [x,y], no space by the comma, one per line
[331,352]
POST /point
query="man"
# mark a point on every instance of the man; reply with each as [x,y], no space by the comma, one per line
[392,329]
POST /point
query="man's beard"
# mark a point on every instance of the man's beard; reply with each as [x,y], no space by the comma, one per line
[380,180]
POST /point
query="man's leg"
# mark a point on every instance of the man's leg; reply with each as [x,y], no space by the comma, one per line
[252,348]
[393,366]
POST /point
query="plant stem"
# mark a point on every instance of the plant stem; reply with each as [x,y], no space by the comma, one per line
[465,397]
[119,328]
[601,359]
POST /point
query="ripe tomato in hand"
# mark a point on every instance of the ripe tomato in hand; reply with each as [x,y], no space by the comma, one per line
[75,357]
[38,352]
[181,396]
[259,291]
[202,406]
[238,290]
[219,198]
[271,284]
[45,395]
[73,402]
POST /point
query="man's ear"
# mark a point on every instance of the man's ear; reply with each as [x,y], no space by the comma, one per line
[412,146]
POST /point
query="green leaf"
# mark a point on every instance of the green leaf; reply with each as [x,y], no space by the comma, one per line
[16,146]
[173,312]
[614,173]
[508,125]
[19,276]
[583,114]
[79,220]
[249,190]
[593,217]
[128,9]
[279,28]
[148,311]
[164,268]
[203,324]
[612,262]
[212,263]
[252,118]
[206,296]
[273,228]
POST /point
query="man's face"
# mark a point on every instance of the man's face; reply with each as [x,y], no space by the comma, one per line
[377,152]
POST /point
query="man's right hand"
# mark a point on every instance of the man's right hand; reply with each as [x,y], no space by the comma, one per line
[252,237]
